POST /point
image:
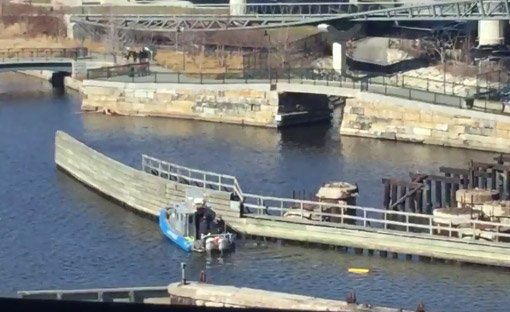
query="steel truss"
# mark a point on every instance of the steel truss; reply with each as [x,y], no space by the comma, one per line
[292,14]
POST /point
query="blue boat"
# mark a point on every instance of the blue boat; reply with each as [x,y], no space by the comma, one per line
[171,232]
[178,223]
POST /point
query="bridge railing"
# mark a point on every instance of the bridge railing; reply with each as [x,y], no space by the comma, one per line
[402,86]
[306,8]
[334,215]
[42,53]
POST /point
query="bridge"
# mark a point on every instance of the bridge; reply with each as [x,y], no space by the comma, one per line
[272,15]
[53,59]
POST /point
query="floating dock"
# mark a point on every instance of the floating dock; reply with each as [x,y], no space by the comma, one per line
[369,230]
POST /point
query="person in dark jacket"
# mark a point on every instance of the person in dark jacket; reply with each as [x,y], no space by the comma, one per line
[203,227]
[220,225]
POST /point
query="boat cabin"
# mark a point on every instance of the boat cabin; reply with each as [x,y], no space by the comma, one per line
[181,217]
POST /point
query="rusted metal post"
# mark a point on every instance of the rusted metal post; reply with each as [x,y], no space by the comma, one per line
[183,273]
[203,278]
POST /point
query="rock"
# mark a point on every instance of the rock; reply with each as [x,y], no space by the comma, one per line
[495,209]
[475,196]
[457,216]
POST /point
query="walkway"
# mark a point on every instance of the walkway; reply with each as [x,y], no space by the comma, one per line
[266,15]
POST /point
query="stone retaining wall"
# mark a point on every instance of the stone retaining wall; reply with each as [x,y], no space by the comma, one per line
[389,118]
[230,103]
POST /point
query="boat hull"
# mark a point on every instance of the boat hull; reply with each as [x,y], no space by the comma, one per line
[172,234]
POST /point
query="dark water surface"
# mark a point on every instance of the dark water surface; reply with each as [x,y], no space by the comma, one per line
[55,233]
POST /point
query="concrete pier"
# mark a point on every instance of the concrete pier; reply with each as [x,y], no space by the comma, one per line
[206,295]
[209,295]
[150,190]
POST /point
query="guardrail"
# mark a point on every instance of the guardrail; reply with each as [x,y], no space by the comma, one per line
[131,70]
[334,215]
[43,53]
[200,178]
[329,214]
[134,295]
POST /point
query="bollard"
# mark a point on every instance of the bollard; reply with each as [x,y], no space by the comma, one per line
[183,271]
[202,277]
[351,298]
[420,307]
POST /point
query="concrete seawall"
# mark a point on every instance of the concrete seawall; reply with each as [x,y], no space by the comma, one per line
[147,194]
[364,114]
[397,119]
[133,188]
[231,103]
[210,295]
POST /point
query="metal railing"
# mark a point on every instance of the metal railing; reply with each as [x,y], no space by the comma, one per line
[42,53]
[131,70]
[204,179]
[306,8]
[134,295]
[329,214]
[382,85]
[335,215]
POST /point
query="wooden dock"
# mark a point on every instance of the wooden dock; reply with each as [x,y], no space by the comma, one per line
[387,232]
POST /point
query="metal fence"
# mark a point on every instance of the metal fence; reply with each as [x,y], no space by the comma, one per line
[329,214]
[204,179]
[334,215]
[381,85]
[42,53]
[133,295]
[130,70]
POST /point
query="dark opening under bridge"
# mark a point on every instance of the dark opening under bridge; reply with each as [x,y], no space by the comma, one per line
[272,15]
[54,59]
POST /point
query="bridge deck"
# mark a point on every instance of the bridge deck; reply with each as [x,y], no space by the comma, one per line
[266,15]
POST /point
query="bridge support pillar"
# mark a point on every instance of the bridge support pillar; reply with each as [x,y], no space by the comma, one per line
[339,58]
[69,26]
[339,39]
[491,33]
[79,70]
[237,7]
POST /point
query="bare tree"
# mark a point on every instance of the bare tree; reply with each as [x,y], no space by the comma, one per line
[443,44]
[282,49]
[113,43]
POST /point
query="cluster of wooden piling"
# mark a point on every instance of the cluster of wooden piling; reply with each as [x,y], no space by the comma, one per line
[426,192]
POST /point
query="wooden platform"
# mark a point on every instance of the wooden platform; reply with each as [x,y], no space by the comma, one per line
[159,184]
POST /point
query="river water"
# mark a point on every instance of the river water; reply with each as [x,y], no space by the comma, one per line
[55,233]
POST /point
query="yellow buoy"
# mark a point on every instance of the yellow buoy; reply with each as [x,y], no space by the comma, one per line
[358,270]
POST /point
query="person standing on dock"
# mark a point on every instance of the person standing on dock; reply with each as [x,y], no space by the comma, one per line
[220,225]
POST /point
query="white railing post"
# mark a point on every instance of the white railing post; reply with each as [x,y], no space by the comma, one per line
[281,208]
[450,228]
[407,223]
[364,218]
[301,207]
[205,180]
[431,230]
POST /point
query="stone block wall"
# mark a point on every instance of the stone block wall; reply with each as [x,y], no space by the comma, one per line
[402,120]
[240,104]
